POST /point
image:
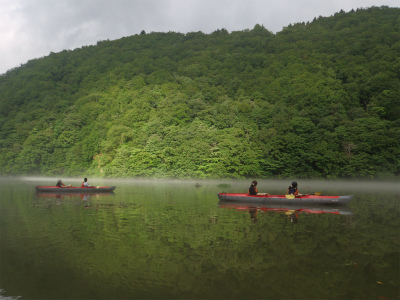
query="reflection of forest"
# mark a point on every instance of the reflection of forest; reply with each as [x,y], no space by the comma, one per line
[138,247]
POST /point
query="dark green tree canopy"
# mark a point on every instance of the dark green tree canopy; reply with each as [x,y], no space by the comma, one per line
[315,100]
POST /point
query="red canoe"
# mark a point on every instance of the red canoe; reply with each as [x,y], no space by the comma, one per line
[306,199]
[83,190]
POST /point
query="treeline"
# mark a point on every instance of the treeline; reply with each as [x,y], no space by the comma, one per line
[317,100]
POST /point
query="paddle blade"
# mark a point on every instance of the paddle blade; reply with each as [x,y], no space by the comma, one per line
[317,194]
[290,196]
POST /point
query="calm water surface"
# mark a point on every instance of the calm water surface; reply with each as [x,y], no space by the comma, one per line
[173,240]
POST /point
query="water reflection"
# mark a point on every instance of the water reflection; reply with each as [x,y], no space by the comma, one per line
[7,297]
[54,199]
[72,196]
[155,240]
[292,211]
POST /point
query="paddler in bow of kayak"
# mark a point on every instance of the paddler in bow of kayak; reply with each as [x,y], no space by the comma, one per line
[292,190]
[253,189]
[86,184]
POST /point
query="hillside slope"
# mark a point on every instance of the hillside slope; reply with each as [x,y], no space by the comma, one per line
[315,100]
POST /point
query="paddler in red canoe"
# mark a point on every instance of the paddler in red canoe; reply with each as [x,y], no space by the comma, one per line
[253,189]
[61,184]
[86,184]
[292,190]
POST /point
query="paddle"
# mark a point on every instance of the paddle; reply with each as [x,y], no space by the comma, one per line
[294,196]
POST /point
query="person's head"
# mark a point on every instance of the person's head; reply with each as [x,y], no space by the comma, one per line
[294,184]
[59,180]
[85,179]
[254,183]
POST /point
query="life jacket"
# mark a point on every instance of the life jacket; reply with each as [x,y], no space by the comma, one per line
[292,190]
[253,190]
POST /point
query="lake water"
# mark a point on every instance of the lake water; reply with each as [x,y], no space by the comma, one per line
[173,240]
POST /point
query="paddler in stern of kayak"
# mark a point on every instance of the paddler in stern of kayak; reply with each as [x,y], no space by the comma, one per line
[253,189]
[292,190]
[61,184]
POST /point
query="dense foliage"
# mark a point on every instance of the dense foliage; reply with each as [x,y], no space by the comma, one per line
[315,100]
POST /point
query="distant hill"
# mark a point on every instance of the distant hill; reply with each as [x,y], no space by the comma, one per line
[316,100]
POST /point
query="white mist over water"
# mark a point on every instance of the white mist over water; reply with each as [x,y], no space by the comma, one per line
[305,186]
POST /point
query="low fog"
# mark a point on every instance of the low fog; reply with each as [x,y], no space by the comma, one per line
[305,185]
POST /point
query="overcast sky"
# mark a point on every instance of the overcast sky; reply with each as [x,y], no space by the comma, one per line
[33,28]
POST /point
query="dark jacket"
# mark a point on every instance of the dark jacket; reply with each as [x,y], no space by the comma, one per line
[292,190]
[253,190]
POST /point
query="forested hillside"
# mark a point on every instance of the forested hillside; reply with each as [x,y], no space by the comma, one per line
[315,100]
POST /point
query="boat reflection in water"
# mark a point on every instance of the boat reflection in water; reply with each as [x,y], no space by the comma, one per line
[291,210]
[72,196]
